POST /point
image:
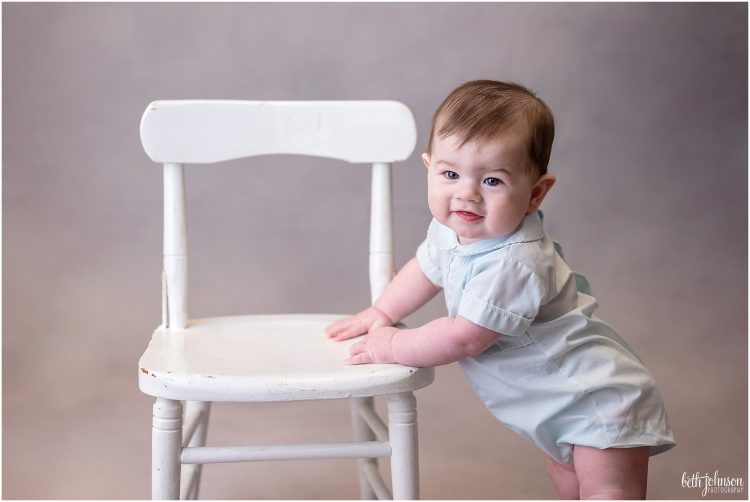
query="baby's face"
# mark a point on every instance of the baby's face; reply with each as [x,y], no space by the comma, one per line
[480,190]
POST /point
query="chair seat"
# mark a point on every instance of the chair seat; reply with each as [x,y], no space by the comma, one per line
[264,358]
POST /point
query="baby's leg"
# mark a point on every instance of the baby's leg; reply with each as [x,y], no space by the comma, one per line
[565,479]
[611,473]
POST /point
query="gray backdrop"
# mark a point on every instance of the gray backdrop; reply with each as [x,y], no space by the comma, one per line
[651,203]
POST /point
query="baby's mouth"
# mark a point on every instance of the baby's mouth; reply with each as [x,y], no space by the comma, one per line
[468,216]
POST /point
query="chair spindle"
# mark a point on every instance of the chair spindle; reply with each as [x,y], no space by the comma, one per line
[382,265]
[175,246]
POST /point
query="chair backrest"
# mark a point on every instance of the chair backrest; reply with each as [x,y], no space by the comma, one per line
[181,132]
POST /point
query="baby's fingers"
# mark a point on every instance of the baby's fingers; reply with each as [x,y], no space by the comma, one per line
[360,353]
[361,358]
[336,327]
[340,326]
[354,327]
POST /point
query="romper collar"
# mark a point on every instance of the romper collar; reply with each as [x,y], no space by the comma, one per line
[529,230]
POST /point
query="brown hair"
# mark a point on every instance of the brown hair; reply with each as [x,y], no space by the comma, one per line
[485,108]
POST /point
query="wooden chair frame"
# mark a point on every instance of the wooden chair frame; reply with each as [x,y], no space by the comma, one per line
[175,133]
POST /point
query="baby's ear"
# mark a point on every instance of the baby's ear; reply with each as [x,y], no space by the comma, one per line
[539,191]
[426,159]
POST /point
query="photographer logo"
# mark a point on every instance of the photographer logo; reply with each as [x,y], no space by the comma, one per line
[713,484]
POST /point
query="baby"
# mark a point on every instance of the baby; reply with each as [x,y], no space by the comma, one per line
[520,322]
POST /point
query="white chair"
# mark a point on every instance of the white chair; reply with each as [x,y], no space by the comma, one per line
[246,358]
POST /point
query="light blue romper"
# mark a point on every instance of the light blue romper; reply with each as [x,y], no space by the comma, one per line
[559,376]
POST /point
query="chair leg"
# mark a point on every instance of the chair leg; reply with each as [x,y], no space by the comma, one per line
[402,426]
[166,444]
[199,438]
[362,432]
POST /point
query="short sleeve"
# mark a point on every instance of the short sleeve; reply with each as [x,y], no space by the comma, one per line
[429,262]
[505,297]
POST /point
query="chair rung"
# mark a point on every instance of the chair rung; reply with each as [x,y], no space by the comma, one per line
[371,418]
[219,454]
[376,482]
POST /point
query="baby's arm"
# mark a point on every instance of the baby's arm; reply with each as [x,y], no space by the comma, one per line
[442,341]
[408,291]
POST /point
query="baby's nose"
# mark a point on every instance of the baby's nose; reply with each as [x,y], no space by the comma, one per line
[469,192]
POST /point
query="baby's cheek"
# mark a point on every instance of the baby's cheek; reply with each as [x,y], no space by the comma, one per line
[437,205]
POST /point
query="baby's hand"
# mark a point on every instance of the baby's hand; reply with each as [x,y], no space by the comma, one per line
[357,324]
[375,347]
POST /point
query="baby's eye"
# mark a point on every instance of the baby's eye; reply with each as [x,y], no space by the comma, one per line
[451,175]
[493,182]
